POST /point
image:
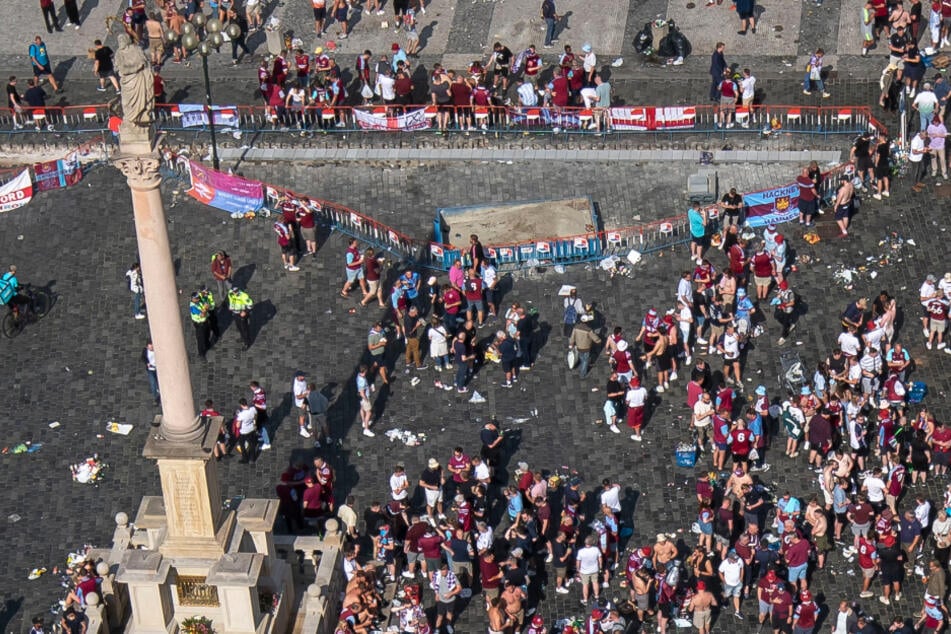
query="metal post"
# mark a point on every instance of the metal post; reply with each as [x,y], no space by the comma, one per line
[211,116]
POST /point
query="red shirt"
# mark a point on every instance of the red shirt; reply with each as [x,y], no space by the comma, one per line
[461,463]
[473,288]
[306,218]
[430,546]
[533,64]
[741,443]
[798,553]
[259,398]
[762,265]
[559,95]
[866,552]
[737,258]
[480,96]
[622,361]
[451,297]
[303,64]
[460,93]
[313,501]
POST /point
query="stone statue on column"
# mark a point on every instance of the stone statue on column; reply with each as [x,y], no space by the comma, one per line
[138,89]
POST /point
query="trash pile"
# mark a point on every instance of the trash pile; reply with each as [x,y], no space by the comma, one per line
[89,471]
[616,266]
[405,436]
[23,447]
[891,247]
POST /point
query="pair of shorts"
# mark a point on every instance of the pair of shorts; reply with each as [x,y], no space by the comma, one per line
[445,608]
[764,607]
[320,13]
[940,458]
[476,305]
[587,578]
[433,497]
[732,591]
[354,275]
[867,573]
[897,62]
[808,207]
[701,619]
[721,446]
[156,45]
[288,249]
[797,573]
[729,219]
[698,241]
[412,558]
[762,281]
[781,624]
[366,405]
[309,233]
[842,211]
[341,14]
[937,327]
[302,411]
[39,71]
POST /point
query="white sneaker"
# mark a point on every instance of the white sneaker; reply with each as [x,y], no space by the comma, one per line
[673,375]
[700,340]
[140,316]
[928,345]
[636,437]
[615,429]
[941,345]
[605,584]
[660,388]
[304,432]
[293,267]
[265,446]
[408,575]
[924,331]
[678,62]
[368,433]
[561,590]
[689,360]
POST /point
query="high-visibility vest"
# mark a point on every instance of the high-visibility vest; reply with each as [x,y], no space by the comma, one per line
[197,309]
[239,301]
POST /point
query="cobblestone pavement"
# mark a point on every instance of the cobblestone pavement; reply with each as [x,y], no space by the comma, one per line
[80,365]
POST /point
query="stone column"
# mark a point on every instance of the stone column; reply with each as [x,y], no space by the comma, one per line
[141,168]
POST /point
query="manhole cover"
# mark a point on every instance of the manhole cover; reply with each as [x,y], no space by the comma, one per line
[691,5]
[778,28]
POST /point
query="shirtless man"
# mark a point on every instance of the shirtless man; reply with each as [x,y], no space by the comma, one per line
[641,593]
[701,604]
[499,621]
[664,552]
[817,519]
[843,205]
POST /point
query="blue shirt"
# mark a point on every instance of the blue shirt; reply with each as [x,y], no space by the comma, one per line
[743,307]
[756,426]
[697,230]
[409,284]
[515,505]
[38,51]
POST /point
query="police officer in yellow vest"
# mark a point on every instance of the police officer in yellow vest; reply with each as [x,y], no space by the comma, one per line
[198,310]
[209,300]
[240,304]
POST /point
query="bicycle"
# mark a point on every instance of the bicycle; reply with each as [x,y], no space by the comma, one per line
[17,318]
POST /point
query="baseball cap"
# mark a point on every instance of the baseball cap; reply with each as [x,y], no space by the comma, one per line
[318,50]
[433,463]
[395,46]
[761,390]
[586,48]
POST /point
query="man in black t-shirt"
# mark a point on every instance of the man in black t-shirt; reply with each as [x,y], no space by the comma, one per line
[731,204]
[103,66]
[502,59]
[14,102]
[896,51]
[35,97]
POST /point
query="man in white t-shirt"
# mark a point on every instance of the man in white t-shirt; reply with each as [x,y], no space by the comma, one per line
[399,483]
[849,344]
[747,88]
[874,487]
[611,495]
[731,576]
[685,289]
[635,399]
[299,387]
[588,563]
[703,411]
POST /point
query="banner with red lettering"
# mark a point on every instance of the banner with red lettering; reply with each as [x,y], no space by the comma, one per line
[651,118]
[58,174]
[17,192]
